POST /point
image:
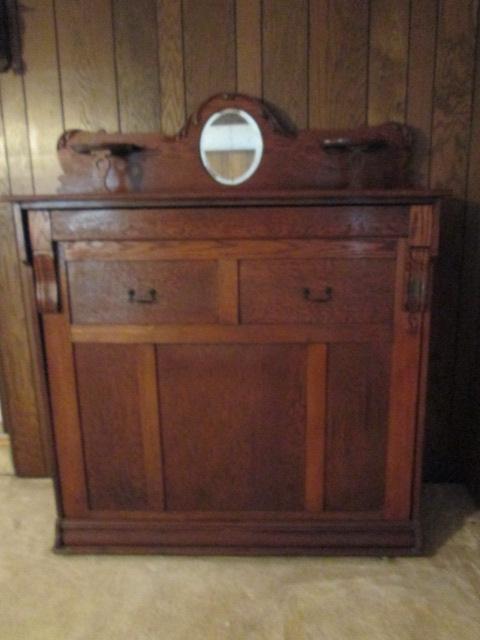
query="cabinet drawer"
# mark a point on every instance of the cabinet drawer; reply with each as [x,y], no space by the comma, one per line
[351,290]
[143,292]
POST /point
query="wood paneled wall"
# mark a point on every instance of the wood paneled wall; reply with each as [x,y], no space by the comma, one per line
[144,65]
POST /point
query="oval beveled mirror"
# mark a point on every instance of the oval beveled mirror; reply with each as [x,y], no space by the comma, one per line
[231,146]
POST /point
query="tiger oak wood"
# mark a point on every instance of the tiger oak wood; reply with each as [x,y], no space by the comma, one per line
[235,371]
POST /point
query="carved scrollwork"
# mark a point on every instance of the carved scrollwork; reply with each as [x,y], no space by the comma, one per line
[44,268]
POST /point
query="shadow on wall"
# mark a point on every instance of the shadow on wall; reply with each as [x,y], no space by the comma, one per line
[445,508]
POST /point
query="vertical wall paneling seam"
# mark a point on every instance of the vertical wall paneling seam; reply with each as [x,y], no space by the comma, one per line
[307,55]
[115,66]
[57,49]
[27,127]
[407,70]
[261,49]
[235,39]
[8,182]
[184,69]
[157,57]
[367,78]
[59,65]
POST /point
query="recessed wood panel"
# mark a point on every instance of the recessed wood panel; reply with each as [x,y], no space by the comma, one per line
[319,291]
[185,292]
[233,425]
[357,422]
[119,425]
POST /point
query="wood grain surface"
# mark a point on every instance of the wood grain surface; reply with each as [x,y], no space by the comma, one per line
[136,60]
[388,58]
[285,72]
[248,21]
[233,426]
[357,425]
[209,49]
[414,59]
[87,68]
[45,116]
[337,63]
[22,406]
[171,65]
[16,133]
[119,417]
[421,69]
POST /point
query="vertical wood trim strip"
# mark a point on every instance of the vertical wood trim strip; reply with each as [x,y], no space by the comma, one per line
[389,30]
[68,439]
[338,58]
[421,231]
[228,304]
[87,68]
[17,359]
[171,65]
[16,133]
[318,71]
[285,57]
[403,402]
[150,422]
[249,47]
[35,344]
[42,90]
[316,427]
[136,56]
[421,69]
[4,174]
[209,39]
[422,400]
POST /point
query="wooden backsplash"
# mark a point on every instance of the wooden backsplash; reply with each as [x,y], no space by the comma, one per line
[144,64]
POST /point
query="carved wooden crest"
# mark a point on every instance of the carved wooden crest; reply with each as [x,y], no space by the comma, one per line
[366,157]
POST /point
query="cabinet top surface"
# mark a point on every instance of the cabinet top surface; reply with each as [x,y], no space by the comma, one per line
[172,199]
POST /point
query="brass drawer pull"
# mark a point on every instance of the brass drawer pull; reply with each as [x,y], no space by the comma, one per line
[152,297]
[325,297]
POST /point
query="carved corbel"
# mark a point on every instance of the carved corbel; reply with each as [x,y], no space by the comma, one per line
[423,241]
[46,284]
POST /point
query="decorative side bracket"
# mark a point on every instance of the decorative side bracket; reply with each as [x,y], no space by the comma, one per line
[423,246]
[46,284]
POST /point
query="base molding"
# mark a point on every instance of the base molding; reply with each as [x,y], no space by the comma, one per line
[369,538]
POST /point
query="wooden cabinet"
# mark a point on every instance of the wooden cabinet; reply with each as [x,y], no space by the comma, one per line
[219,389]
[235,369]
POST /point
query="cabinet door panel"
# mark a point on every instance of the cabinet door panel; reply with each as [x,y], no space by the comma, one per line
[233,426]
[119,423]
[357,424]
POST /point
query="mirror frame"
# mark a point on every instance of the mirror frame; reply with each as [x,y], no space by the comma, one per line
[259,152]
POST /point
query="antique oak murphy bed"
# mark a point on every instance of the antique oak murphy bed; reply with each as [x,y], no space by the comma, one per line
[235,325]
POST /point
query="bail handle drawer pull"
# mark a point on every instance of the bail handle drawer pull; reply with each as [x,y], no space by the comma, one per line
[326,296]
[149,299]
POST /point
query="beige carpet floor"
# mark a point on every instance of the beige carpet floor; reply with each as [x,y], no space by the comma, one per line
[44,596]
